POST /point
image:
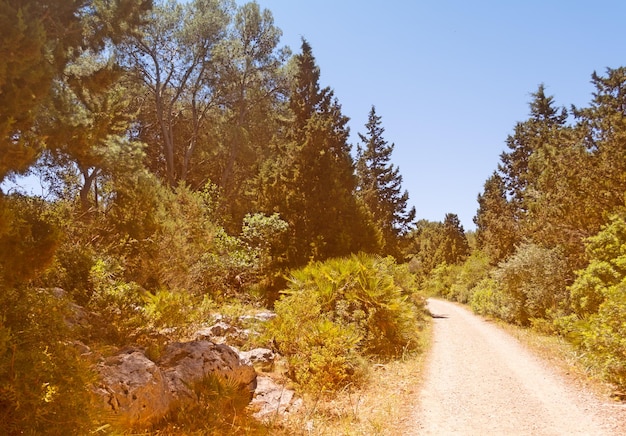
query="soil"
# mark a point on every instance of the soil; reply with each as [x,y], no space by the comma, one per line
[479,380]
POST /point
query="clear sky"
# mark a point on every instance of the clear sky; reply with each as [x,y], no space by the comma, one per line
[450,78]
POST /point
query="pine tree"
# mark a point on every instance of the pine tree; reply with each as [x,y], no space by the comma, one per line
[312,183]
[379,184]
[496,232]
[529,137]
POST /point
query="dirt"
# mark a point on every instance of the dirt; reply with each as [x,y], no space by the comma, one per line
[479,380]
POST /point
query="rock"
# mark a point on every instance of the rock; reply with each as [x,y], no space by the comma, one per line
[133,388]
[222,332]
[261,358]
[261,316]
[140,392]
[184,363]
[272,399]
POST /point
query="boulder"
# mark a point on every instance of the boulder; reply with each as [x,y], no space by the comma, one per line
[133,388]
[139,392]
[184,363]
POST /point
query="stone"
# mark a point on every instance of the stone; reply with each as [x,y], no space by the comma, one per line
[261,358]
[133,388]
[184,363]
[221,333]
[272,399]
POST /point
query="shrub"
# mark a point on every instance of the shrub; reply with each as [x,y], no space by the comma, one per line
[607,267]
[598,300]
[603,335]
[336,311]
[533,283]
[488,300]
[43,377]
[475,268]
[441,279]
[119,304]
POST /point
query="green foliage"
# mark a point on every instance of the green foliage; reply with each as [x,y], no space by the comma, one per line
[167,308]
[434,243]
[533,284]
[603,335]
[379,185]
[117,302]
[311,183]
[441,279]
[27,236]
[337,311]
[496,229]
[43,378]
[598,299]
[488,300]
[607,267]
[475,269]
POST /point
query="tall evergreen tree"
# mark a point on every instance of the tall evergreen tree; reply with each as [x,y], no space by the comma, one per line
[380,184]
[496,230]
[312,182]
[529,136]
[454,247]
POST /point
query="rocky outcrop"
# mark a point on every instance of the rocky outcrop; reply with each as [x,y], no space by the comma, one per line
[184,363]
[138,391]
[133,388]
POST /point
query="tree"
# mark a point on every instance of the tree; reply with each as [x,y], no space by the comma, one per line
[496,231]
[171,59]
[37,40]
[529,136]
[379,185]
[311,183]
[251,85]
[454,247]
[435,243]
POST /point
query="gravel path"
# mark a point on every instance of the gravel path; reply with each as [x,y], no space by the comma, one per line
[481,381]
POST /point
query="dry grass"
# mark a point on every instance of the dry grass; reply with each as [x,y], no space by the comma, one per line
[563,356]
[383,406]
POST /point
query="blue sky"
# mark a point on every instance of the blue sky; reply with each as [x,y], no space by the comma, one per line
[451,78]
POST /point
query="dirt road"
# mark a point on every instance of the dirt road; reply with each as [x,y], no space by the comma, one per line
[481,381]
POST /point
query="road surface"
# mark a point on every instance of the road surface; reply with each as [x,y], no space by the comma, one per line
[481,381]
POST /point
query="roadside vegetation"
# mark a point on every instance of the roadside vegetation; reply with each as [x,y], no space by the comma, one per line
[548,251]
[192,166]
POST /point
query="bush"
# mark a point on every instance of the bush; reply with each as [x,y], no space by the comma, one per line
[441,279]
[43,377]
[607,267]
[533,284]
[603,335]
[598,300]
[488,300]
[475,268]
[337,311]
[119,304]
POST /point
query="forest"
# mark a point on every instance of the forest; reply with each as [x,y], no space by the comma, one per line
[192,166]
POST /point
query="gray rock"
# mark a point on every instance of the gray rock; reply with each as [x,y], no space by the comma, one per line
[271,399]
[138,391]
[222,332]
[184,363]
[133,388]
[261,358]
